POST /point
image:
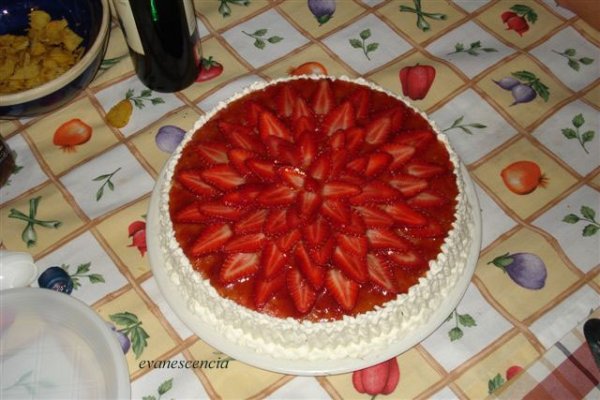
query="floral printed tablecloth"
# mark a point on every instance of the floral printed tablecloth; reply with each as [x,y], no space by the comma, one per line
[517,91]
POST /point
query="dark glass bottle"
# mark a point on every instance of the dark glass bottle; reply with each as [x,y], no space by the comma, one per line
[163,41]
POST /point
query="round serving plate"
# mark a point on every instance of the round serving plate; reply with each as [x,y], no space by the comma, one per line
[301,366]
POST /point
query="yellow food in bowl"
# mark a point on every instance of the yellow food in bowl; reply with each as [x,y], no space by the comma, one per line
[48,50]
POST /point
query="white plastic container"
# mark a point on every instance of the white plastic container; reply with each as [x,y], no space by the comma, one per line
[55,346]
[17,269]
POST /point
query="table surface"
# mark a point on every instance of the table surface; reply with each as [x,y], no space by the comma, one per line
[100,189]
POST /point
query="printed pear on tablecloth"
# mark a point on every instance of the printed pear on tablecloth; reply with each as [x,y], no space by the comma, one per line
[126,103]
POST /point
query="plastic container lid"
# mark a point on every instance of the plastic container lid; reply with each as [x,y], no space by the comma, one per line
[17,269]
[55,346]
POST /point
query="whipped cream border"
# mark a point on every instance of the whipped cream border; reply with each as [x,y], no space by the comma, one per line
[350,337]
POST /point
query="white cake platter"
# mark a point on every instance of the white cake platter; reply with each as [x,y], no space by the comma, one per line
[300,366]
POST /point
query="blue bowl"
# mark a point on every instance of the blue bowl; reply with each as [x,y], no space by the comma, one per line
[90,19]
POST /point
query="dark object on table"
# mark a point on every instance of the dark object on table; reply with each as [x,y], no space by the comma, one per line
[7,163]
[89,19]
[56,278]
[163,41]
[591,330]
[587,10]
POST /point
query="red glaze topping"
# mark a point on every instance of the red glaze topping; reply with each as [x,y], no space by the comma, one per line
[313,199]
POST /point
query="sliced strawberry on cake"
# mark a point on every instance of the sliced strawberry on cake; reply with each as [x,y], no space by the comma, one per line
[313,199]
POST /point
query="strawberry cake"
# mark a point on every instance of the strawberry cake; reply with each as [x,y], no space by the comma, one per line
[314,218]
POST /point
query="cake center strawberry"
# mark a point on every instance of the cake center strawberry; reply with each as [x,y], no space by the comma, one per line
[313,199]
